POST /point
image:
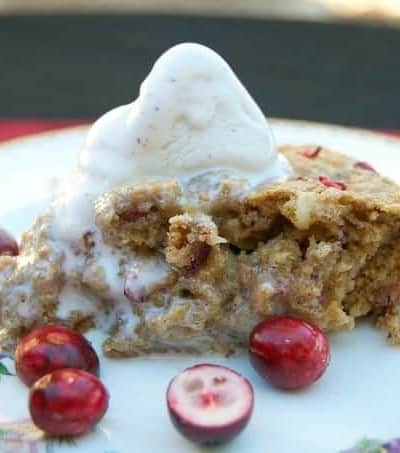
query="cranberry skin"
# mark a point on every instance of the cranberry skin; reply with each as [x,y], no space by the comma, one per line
[51,348]
[327,182]
[8,245]
[310,153]
[365,166]
[289,352]
[67,402]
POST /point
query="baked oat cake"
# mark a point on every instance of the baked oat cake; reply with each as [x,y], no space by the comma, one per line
[163,262]
[321,245]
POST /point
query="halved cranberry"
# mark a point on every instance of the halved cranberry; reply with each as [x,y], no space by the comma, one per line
[310,153]
[52,348]
[8,245]
[210,403]
[67,402]
[289,352]
[364,166]
[327,182]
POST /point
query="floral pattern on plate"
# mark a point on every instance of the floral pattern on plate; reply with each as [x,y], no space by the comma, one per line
[21,437]
[375,446]
[4,371]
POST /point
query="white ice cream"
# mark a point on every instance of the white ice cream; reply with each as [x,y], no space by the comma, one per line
[192,116]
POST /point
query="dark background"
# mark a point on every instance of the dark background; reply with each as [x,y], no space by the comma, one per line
[80,66]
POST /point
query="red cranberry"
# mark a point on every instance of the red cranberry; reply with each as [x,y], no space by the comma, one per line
[289,352]
[200,253]
[8,245]
[52,348]
[310,153]
[365,166]
[67,402]
[210,403]
[335,184]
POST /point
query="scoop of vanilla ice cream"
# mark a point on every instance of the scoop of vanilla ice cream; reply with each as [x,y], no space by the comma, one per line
[192,116]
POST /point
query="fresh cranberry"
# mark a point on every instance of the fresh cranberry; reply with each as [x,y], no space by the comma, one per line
[365,166]
[327,182]
[210,403]
[289,352]
[310,153]
[67,402]
[52,348]
[8,245]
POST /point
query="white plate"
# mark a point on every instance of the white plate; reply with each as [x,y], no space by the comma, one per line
[357,397]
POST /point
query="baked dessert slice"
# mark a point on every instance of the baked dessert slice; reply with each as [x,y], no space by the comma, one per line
[182,226]
[322,245]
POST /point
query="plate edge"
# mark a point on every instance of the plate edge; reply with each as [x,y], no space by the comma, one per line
[274,121]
